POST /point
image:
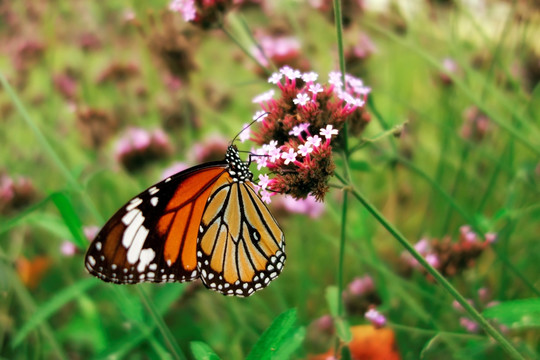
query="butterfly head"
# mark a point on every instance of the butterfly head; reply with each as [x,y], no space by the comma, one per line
[238,169]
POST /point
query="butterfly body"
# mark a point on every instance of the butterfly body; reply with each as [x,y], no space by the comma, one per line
[205,222]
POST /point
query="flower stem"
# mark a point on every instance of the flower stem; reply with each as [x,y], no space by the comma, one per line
[339,29]
[244,49]
[488,328]
[175,350]
[343,237]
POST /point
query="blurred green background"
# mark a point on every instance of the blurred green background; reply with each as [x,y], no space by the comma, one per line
[460,77]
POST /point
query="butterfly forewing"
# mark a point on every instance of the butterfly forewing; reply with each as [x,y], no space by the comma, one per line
[154,236]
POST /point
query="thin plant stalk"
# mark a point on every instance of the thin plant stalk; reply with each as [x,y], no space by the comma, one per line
[488,328]
[345,148]
[175,350]
[244,49]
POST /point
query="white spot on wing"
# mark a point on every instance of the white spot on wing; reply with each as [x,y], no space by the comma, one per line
[135,248]
[98,246]
[130,215]
[147,255]
[154,201]
[132,229]
[133,204]
[153,190]
[91,260]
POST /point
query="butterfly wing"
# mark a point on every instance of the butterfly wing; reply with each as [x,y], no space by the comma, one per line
[153,237]
[241,247]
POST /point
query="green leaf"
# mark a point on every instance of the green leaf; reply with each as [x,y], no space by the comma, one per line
[52,306]
[359,165]
[279,340]
[70,217]
[343,330]
[332,300]
[523,313]
[202,351]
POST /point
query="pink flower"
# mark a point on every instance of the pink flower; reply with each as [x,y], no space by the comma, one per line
[301,162]
[91,231]
[469,325]
[308,206]
[361,285]
[173,169]
[263,181]
[289,156]
[185,7]
[138,147]
[329,131]
[67,248]
[301,99]
[376,318]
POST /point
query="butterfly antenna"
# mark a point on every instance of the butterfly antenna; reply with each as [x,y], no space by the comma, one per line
[248,125]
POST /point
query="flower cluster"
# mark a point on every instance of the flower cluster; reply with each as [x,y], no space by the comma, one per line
[475,124]
[118,73]
[450,257]
[377,319]
[174,45]
[96,126]
[483,302]
[279,50]
[296,131]
[360,295]
[204,13]
[139,147]
[15,194]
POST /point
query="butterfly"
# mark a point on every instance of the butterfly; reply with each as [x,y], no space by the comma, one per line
[205,222]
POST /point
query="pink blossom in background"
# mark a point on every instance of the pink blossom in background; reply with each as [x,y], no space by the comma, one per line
[276,48]
[308,206]
[376,318]
[469,325]
[361,285]
[173,169]
[67,248]
[91,231]
[185,7]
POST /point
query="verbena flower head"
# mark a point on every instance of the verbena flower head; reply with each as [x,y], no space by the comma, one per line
[376,318]
[451,257]
[16,193]
[302,125]
[279,50]
[139,147]
[204,13]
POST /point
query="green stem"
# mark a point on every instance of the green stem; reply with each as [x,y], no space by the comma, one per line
[437,187]
[454,189]
[428,332]
[343,237]
[244,49]
[339,29]
[488,328]
[158,320]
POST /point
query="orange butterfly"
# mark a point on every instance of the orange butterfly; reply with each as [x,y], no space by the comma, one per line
[207,221]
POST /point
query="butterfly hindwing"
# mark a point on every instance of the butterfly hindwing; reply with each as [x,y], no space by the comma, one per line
[241,247]
[153,237]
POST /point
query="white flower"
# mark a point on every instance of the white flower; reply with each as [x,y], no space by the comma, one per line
[301,99]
